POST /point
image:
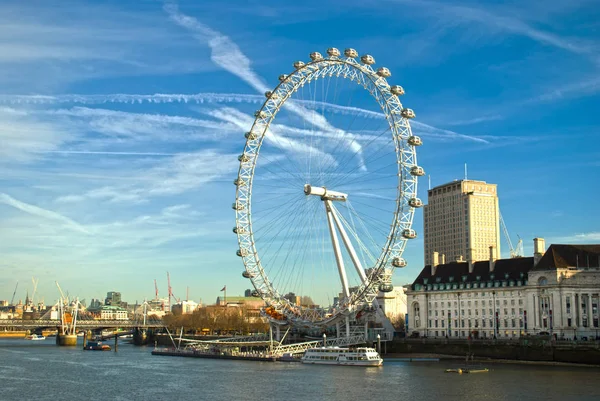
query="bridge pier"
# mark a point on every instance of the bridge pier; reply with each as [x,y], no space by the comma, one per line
[140,336]
[66,340]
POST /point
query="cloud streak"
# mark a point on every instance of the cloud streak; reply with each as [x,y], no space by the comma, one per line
[40,212]
[227,54]
[200,98]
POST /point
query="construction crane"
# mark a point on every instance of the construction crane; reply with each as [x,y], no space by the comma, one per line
[35,284]
[514,253]
[12,300]
[155,291]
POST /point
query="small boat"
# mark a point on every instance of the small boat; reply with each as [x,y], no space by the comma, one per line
[342,356]
[467,370]
[96,346]
[35,337]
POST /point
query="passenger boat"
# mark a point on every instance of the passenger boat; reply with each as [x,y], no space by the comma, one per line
[96,346]
[35,337]
[342,356]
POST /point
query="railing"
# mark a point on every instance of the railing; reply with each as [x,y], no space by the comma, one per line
[20,323]
[332,342]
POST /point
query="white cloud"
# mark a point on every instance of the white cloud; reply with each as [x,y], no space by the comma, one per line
[22,135]
[507,24]
[592,237]
[175,175]
[586,87]
[45,46]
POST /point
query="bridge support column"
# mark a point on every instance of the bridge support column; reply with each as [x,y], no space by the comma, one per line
[66,340]
[347,326]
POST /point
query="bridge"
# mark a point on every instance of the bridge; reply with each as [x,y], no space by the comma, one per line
[81,324]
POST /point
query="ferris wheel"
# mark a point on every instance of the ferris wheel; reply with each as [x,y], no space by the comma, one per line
[325,196]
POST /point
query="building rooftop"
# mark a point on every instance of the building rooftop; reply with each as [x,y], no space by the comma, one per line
[458,272]
[455,182]
[509,270]
[560,256]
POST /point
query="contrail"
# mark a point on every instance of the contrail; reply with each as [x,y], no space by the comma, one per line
[227,54]
[38,211]
[201,98]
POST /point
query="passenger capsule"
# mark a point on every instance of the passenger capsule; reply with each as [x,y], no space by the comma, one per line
[384,72]
[243,158]
[251,135]
[239,182]
[242,253]
[247,274]
[399,262]
[282,77]
[350,53]
[260,114]
[239,230]
[397,90]
[415,141]
[407,113]
[255,294]
[386,288]
[237,206]
[271,95]
[367,59]
[316,56]
[409,233]
[333,52]
[299,64]
[417,171]
[415,202]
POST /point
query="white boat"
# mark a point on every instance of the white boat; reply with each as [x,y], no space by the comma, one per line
[342,356]
[35,337]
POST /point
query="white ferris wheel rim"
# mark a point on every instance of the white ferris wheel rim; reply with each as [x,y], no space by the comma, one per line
[406,201]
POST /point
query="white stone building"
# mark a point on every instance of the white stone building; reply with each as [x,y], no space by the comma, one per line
[393,303]
[554,292]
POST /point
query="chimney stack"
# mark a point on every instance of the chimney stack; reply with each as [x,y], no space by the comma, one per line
[470,259]
[539,248]
[443,258]
[435,262]
[492,258]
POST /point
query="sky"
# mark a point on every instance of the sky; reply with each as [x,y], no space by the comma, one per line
[121,123]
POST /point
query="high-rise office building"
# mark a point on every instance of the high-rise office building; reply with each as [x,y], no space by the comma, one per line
[461,221]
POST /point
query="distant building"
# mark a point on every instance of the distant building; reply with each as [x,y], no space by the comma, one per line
[109,312]
[554,293]
[250,302]
[184,307]
[461,221]
[113,298]
[95,304]
[248,293]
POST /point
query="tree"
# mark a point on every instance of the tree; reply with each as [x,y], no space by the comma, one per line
[398,322]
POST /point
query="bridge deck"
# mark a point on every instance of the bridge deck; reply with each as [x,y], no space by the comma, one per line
[84,324]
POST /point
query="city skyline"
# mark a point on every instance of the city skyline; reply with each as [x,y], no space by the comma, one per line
[105,185]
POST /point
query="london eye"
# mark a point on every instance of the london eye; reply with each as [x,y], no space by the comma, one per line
[326,190]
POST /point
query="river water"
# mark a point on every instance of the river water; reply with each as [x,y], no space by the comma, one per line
[41,370]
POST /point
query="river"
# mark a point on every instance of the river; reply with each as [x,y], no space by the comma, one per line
[43,371]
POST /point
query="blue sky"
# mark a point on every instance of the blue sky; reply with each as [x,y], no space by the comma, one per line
[105,185]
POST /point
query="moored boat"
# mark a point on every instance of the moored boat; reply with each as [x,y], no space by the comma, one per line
[361,356]
[35,337]
[96,346]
